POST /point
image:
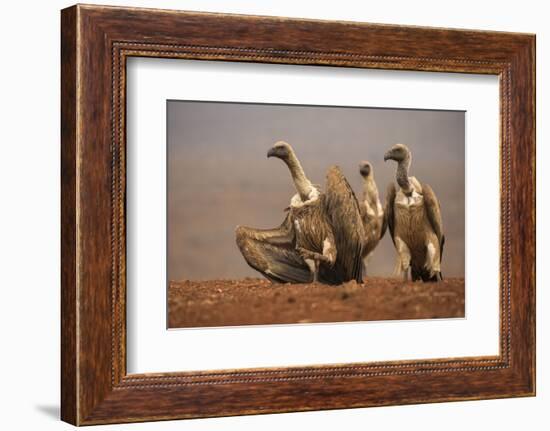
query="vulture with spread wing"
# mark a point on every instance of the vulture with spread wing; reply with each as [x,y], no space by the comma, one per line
[413,216]
[321,238]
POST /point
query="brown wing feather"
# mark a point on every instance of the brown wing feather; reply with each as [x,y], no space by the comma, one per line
[272,252]
[384,226]
[433,210]
[343,212]
[389,216]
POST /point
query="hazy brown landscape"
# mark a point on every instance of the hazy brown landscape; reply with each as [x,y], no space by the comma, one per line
[219,177]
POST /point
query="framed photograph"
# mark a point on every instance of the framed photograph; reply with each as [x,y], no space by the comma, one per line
[213,267]
[264,214]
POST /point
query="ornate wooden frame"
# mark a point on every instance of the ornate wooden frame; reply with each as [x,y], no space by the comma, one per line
[95,43]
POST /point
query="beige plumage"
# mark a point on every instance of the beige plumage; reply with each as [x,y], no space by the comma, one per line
[372,212]
[413,216]
[320,238]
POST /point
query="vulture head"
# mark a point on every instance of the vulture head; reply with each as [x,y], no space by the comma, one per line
[281,150]
[365,169]
[398,152]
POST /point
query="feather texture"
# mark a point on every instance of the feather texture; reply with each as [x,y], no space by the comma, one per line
[389,215]
[272,252]
[327,227]
[372,212]
[413,216]
[433,211]
[344,216]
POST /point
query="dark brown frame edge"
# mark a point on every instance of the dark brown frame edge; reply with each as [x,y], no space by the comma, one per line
[95,43]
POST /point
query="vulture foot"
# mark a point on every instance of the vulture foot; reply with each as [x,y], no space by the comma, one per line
[308,254]
[313,261]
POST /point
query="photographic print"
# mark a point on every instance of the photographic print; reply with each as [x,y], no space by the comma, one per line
[261,222]
[285,214]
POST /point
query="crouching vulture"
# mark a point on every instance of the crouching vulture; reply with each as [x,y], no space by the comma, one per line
[413,216]
[320,239]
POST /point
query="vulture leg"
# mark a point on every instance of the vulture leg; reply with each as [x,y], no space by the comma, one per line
[313,261]
[316,271]
[404,257]
[314,246]
[430,271]
[432,260]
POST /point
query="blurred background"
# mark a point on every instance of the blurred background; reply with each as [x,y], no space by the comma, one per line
[219,176]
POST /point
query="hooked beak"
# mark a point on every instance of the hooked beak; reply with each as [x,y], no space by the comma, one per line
[271,153]
[387,156]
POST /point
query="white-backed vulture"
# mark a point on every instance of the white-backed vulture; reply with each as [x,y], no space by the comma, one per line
[320,238]
[372,212]
[413,216]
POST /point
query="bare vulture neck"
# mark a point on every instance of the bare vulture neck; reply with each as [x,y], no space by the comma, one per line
[370,191]
[403,175]
[302,184]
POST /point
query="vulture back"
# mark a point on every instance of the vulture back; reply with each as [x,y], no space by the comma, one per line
[344,215]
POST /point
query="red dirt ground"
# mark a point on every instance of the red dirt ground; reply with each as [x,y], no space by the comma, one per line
[254,301]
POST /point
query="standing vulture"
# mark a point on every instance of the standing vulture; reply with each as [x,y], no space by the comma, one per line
[413,216]
[320,238]
[372,212]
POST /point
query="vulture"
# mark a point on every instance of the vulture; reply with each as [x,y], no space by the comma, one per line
[413,216]
[321,237]
[372,212]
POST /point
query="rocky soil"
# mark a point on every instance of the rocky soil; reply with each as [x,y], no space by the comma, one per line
[252,301]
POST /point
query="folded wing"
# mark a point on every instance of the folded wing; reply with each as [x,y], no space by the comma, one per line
[389,216]
[433,211]
[344,216]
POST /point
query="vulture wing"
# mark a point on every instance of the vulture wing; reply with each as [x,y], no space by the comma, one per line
[272,252]
[384,226]
[433,210]
[389,216]
[344,216]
